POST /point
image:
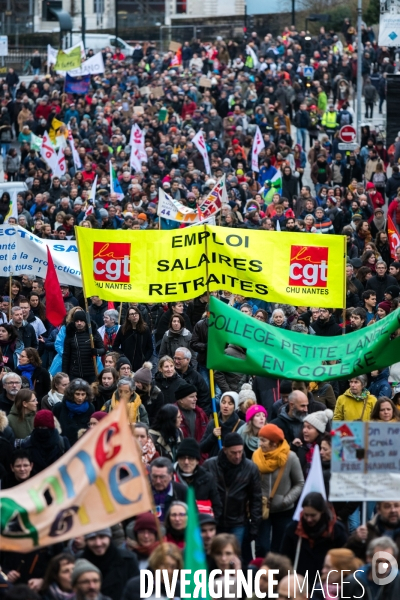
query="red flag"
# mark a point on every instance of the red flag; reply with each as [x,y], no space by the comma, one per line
[110,305]
[394,237]
[55,309]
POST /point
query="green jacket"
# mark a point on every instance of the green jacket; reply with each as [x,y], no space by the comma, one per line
[322,102]
[20,428]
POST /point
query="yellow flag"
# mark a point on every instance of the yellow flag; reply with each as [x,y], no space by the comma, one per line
[67,62]
[165,266]
[54,130]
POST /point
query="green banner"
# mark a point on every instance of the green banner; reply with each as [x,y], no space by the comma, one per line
[274,352]
[67,62]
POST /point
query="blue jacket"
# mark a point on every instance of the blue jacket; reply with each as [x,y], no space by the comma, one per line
[266,174]
[380,385]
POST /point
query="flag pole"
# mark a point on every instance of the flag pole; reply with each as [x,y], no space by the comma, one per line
[89,323]
[344,287]
[120,312]
[212,383]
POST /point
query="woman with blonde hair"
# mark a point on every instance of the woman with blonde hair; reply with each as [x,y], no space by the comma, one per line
[339,564]
[56,365]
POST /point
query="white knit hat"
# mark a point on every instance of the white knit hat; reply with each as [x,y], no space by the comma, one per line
[234,396]
[319,419]
[246,393]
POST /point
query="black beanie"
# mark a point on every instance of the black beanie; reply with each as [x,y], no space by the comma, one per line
[233,439]
[185,390]
[122,361]
[189,447]
[80,315]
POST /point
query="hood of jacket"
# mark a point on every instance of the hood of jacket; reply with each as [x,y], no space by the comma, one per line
[381,376]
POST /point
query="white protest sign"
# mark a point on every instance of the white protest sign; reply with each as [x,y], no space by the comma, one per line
[200,144]
[92,66]
[23,253]
[258,145]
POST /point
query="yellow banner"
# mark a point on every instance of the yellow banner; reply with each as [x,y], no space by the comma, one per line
[97,483]
[66,62]
[160,266]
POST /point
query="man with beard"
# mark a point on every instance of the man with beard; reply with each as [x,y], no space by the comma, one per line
[321,172]
[77,358]
[326,325]
[291,418]
[386,521]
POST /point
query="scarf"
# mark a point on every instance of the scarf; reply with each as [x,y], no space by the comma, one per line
[251,441]
[106,392]
[273,460]
[361,398]
[230,471]
[323,529]
[109,336]
[132,406]
[46,443]
[148,451]
[76,409]
[58,594]
[54,398]
[27,371]
[141,550]
[379,222]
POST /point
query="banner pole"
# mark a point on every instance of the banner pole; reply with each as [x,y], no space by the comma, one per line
[89,323]
[344,286]
[211,371]
[9,293]
[120,312]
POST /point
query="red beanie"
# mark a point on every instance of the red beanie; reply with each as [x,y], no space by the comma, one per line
[98,415]
[44,418]
[145,521]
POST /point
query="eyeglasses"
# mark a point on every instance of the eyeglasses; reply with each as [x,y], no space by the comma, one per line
[12,383]
[133,314]
[178,515]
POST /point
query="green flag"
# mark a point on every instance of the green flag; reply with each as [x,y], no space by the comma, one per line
[36,142]
[194,556]
[273,352]
[67,62]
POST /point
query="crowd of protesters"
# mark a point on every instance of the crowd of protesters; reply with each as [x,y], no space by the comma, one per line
[154,355]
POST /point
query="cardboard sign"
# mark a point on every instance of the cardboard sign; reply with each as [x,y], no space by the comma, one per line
[138,110]
[174,46]
[205,82]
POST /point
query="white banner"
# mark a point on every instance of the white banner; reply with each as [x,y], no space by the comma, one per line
[389,28]
[137,141]
[258,145]
[75,155]
[23,253]
[51,55]
[92,66]
[171,209]
[200,144]
[168,208]
[61,164]
[48,153]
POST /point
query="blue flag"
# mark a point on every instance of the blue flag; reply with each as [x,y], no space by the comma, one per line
[77,85]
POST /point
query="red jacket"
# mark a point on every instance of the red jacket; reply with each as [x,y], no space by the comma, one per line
[394,211]
[200,426]
[188,109]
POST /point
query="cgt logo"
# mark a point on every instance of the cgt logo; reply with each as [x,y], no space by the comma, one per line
[111,262]
[308,266]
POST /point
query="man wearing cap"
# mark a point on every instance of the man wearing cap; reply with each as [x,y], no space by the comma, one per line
[77,358]
[188,472]
[208,529]
[115,565]
[194,419]
[239,487]
[86,581]
[182,358]
[356,404]
[67,295]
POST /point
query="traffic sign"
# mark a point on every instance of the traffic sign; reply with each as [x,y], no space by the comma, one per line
[346,146]
[308,72]
[348,134]
[3,45]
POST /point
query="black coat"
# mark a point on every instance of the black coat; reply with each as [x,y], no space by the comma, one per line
[137,347]
[266,391]
[311,558]
[117,566]
[77,358]
[41,381]
[290,188]
[198,343]
[326,328]
[379,285]
[45,446]
[168,386]
[209,443]
[152,401]
[203,392]
[242,495]
[71,425]
[27,335]
[97,313]
[205,488]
